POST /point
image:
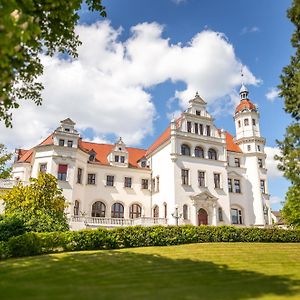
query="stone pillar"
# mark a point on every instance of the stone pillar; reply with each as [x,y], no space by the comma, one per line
[214,218]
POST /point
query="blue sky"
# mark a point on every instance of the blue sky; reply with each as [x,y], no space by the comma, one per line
[145,61]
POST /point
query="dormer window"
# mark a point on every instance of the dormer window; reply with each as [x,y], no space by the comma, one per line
[143,164]
[70,144]
[122,158]
[61,142]
[198,112]
[117,158]
[67,129]
[120,149]
[92,157]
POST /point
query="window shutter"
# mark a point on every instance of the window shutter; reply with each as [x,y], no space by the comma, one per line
[62,168]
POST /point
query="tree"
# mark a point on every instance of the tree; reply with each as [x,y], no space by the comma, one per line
[289,161]
[5,157]
[40,204]
[27,28]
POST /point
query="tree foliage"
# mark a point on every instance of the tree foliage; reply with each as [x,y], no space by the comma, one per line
[28,27]
[40,204]
[290,146]
[5,157]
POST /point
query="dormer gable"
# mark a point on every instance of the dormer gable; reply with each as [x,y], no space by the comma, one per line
[66,135]
[197,106]
[119,154]
[92,155]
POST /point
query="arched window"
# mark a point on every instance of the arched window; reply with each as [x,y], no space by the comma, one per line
[199,152]
[135,211]
[98,209]
[185,150]
[156,211]
[117,210]
[76,208]
[220,214]
[185,212]
[212,154]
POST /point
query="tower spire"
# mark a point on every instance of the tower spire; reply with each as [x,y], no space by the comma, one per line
[243,90]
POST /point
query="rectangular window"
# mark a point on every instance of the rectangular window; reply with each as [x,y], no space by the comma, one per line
[230,190]
[201,129]
[237,186]
[122,159]
[43,168]
[116,158]
[246,122]
[62,172]
[127,182]
[237,162]
[217,181]
[236,216]
[201,178]
[185,176]
[110,180]
[262,186]
[153,185]
[145,184]
[157,183]
[239,123]
[249,147]
[79,175]
[260,162]
[208,130]
[91,178]
[196,128]
[258,148]
[61,142]
[198,112]
[253,122]
[189,126]
[70,144]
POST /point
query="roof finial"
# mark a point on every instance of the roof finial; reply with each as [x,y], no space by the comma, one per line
[197,95]
[243,90]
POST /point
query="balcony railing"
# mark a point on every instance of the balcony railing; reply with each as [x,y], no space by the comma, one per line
[7,183]
[114,222]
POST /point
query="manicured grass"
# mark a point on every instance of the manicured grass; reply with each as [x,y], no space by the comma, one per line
[196,271]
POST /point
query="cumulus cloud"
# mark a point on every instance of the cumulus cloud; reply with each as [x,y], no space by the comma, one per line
[252,29]
[275,200]
[107,87]
[272,94]
[271,163]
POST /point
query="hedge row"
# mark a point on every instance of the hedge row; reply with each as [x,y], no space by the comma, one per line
[37,243]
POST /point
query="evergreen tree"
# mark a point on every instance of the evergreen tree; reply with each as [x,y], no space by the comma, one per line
[290,146]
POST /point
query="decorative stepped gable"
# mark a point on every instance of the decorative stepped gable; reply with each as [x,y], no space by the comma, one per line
[119,155]
[66,134]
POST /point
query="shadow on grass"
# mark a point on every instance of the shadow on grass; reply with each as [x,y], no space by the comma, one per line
[127,275]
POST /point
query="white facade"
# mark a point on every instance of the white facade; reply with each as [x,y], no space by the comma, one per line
[194,173]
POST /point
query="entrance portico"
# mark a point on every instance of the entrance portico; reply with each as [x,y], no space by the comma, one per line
[204,206]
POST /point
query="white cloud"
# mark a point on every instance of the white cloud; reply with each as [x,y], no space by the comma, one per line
[275,200]
[271,163]
[177,2]
[252,29]
[105,88]
[272,94]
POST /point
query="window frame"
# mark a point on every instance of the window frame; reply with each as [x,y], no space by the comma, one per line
[200,150]
[62,176]
[212,154]
[237,162]
[79,175]
[61,142]
[185,150]
[110,182]
[143,181]
[91,178]
[127,182]
[185,180]
[237,186]
[217,180]
[135,211]
[239,216]
[201,179]
[101,210]
[117,213]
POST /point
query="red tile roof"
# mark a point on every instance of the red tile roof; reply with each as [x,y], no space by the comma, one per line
[103,150]
[163,138]
[135,154]
[246,103]
[230,144]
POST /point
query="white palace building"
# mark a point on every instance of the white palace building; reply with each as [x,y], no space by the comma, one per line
[193,173]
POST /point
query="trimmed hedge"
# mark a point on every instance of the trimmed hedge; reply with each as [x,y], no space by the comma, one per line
[10,226]
[125,237]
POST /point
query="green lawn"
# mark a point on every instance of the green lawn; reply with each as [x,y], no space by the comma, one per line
[197,271]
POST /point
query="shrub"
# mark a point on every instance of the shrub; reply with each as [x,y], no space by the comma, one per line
[10,226]
[125,237]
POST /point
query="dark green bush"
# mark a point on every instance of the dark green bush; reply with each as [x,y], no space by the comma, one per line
[10,226]
[125,237]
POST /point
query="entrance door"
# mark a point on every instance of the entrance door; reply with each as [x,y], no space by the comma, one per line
[202,217]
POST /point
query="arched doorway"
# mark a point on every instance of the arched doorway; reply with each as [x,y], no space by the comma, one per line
[202,217]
